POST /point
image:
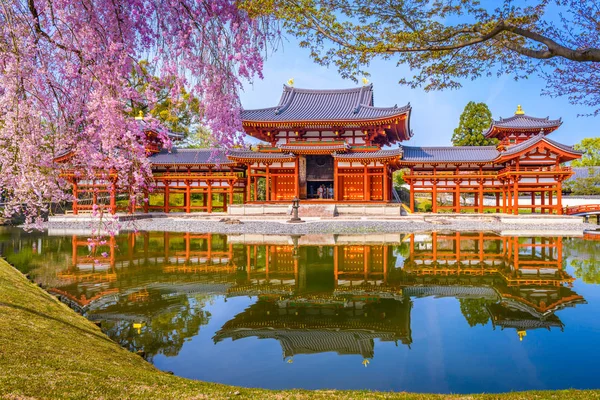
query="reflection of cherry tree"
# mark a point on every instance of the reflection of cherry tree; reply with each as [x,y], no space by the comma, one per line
[157,324]
[583,257]
[474,311]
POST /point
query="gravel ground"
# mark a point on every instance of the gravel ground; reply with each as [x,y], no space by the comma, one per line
[330,227]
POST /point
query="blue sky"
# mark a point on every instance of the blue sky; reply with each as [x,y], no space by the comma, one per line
[434,114]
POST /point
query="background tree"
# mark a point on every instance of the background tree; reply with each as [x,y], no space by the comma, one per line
[448,41]
[474,120]
[591,157]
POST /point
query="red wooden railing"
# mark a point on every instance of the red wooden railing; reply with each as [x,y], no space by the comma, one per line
[586,208]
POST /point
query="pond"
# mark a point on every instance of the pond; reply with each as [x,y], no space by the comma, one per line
[443,312]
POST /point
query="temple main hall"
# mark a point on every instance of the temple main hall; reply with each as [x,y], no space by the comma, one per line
[336,146]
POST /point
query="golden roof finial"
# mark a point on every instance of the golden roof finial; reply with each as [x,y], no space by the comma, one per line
[365,81]
[366,362]
[519,110]
[290,82]
[140,115]
[521,334]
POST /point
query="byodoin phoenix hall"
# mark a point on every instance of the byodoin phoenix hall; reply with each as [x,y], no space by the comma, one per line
[336,146]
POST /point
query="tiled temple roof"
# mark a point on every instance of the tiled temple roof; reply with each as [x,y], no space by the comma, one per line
[517,148]
[324,105]
[314,147]
[523,122]
[369,155]
[583,172]
[450,154]
[255,155]
[190,157]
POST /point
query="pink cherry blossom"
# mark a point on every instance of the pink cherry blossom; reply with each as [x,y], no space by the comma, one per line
[64,70]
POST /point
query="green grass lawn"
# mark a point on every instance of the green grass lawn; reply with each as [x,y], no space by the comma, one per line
[47,351]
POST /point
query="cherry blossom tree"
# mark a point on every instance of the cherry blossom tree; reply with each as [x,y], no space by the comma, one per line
[64,70]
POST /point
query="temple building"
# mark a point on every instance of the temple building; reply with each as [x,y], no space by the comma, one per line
[336,146]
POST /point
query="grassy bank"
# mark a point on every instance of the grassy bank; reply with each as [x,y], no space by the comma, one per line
[49,351]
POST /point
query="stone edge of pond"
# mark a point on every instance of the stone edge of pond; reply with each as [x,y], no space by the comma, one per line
[37,336]
[532,225]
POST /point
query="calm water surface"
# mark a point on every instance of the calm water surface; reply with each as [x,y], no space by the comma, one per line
[445,312]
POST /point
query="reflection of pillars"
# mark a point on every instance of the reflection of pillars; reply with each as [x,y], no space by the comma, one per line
[296,272]
[166,238]
[516,253]
[267,254]
[187,240]
[433,245]
[248,262]
[559,252]
[480,245]
[336,270]
[385,263]
[366,261]
[146,243]
[209,245]
[458,248]
[131,247]
[302,271]
[112,251]
[74,250]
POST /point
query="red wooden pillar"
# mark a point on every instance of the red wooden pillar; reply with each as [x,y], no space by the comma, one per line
[386,193]
[113,202]
[559,198]
[188,197]
[434,196]
[267,184]
[146,201]
[166,204]
[209,205]
[231,183]
[75,195]
[480,195]
[336,180]
[497,201]
[457,197]
[516,197]
[412,196]
[365,182]
[543,200]
[297,177]
[532,201]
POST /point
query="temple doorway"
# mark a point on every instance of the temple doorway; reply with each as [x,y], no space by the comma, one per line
[319,177]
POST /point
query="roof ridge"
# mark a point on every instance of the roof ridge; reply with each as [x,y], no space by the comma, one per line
[450,147]
[346,90]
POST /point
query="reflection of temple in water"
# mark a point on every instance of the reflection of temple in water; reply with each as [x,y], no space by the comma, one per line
[321,294]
